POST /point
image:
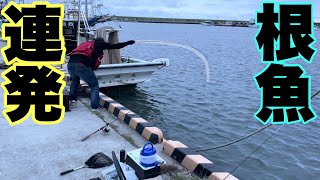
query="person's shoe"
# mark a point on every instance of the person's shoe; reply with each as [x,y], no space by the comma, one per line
[96,110]
[73,102]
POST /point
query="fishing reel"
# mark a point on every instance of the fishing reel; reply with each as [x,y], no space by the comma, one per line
[106,128]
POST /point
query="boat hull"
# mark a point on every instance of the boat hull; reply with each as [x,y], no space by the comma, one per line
[135,72]
[124,75]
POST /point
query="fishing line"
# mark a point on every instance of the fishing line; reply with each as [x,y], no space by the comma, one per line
[117,118]
[105,21]
[115,21]
[192,49]
[121,116]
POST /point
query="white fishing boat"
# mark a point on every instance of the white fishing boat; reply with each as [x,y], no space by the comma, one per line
[115,69]
[316,28]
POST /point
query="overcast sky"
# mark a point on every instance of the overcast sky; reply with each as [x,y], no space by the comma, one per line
[206,9]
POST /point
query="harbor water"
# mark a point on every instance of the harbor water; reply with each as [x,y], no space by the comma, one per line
[202,114]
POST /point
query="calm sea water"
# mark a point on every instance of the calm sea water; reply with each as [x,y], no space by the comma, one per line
[200,114]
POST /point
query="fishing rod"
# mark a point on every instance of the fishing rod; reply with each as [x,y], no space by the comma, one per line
[104,128]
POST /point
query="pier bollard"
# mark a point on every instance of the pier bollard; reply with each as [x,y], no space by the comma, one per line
[194,162]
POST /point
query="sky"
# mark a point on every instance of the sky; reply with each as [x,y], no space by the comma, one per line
[202,9]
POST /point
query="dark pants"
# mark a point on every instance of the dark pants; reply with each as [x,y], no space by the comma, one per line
[77,71]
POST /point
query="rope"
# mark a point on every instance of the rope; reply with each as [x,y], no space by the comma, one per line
[313,96]
[245,137]
[233,142]
[274,133]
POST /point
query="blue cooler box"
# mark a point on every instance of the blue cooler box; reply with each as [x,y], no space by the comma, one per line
[133,160]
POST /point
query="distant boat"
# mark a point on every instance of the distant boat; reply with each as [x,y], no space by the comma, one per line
[316,28]
[227,23]
[252,24]
[240,24]
[232,24]
[207,23]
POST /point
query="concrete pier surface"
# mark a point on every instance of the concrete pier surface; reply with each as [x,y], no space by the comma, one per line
[32,151]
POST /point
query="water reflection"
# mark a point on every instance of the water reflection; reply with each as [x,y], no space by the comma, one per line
[137,100]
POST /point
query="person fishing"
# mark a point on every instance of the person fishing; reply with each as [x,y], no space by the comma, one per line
[83,61]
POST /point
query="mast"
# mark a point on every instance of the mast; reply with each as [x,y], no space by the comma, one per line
[78,35]
[86,7]
[92,7]
[86,11]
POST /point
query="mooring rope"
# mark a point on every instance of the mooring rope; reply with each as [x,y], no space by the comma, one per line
[251,134]
[274,133]
[233,142]
[315,95]
[245,137]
